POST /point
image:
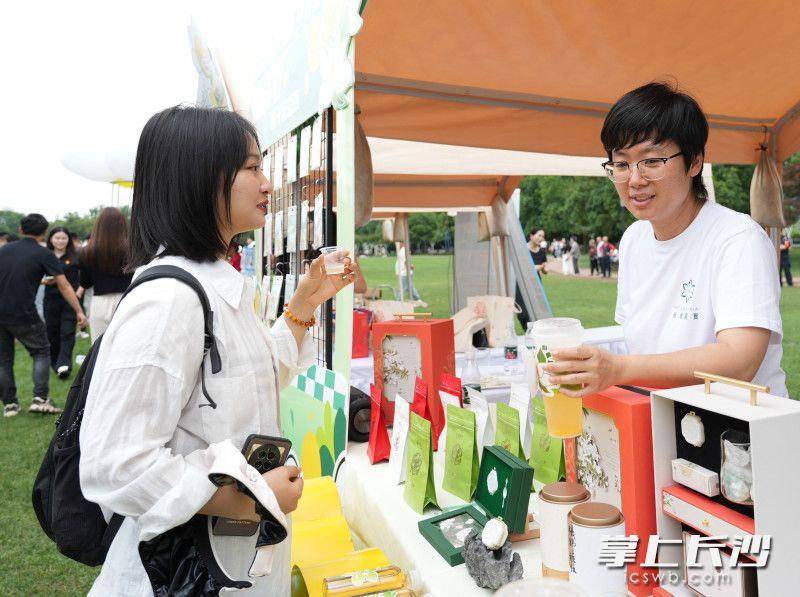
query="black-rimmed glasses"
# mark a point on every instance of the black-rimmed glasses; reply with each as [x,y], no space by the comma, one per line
[650,168]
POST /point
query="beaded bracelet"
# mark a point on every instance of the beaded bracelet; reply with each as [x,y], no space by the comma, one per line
[294,319]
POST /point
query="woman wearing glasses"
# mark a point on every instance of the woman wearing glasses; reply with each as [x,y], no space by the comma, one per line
[698,283]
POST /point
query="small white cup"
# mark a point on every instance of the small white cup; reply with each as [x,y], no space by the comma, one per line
[334,259]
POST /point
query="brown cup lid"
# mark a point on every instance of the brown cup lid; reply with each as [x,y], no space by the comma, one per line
[563,493]
[595,514]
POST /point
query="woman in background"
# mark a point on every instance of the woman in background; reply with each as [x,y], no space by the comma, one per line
[59,317]
[233,257]
[101,268]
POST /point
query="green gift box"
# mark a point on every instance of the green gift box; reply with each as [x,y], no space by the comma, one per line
[504,491]
[447,531]
[504,487]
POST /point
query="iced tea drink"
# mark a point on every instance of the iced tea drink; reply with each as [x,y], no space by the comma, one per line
[564,413]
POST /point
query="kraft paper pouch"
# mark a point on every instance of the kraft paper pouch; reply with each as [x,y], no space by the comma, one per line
[547,453]
[521,400]
[507,434]
[484,419]
[461,465]
[397,456]
[420,490]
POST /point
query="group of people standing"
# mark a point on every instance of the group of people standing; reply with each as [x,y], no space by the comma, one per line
[56,261]
[601,254]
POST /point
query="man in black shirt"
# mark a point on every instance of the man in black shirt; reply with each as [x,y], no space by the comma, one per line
[23,264]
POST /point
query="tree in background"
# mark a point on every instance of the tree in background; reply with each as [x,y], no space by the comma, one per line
[585,206]
[73,221]
[427,232]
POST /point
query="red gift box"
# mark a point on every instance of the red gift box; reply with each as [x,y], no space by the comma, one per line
[360,333]
[407,348]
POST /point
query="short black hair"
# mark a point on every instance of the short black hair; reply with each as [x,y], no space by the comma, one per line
[33,225]
[659,112]
[186,157]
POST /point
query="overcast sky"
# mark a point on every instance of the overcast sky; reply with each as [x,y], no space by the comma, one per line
[78,71]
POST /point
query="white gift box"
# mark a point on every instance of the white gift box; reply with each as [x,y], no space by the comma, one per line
[695,477]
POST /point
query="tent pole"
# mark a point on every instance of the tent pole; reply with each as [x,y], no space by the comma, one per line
[504,259]
[499,287]
[407,243]
[400,275]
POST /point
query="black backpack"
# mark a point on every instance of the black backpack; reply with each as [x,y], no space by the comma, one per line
[76,525]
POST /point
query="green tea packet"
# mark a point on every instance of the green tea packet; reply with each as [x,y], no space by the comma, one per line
[461,450]
[547,452]
[507,433]
[420,490]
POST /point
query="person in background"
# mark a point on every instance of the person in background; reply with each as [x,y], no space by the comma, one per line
[574,253]
[400,270]
[604,256]
[593,257]
[77,244]
[233,257]
[59,317]
[102,264]
[23,264]
[611,255]
[566,258]
[537,245]
[4,240]
[248,258]
[786,264]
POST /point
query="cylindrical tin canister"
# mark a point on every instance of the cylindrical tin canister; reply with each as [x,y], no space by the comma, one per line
[589,524]
[555,502]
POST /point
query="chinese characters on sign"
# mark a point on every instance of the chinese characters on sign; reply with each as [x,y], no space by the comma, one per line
[621,549]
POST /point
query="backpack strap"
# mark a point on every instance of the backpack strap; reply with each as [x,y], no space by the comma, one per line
[209,341]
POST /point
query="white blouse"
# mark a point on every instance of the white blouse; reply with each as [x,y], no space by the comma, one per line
[147,447]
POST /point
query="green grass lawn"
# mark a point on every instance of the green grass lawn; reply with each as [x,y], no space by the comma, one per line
[30,564]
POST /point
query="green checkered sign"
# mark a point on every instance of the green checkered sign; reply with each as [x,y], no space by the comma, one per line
[324,385]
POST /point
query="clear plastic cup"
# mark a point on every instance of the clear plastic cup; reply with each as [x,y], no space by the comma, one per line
[564,414]
[334,259]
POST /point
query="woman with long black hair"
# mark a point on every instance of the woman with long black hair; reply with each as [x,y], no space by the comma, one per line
[151,443]
[102,267]
[59,317]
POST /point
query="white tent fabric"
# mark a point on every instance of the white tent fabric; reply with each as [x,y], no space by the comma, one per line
[400,157]
[391,156]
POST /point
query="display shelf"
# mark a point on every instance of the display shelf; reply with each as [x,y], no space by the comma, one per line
[772,426]
[703,514]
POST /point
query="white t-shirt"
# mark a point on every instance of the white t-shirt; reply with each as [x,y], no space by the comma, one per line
[719,273]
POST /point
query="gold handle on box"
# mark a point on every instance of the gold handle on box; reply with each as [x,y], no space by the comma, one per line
[402,316]
[705,522]
[736,383]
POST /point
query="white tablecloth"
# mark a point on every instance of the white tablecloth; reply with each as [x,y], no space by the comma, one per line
[377,513]
[490,361]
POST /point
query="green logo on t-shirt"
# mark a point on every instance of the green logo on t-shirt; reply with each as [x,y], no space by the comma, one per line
[687,294]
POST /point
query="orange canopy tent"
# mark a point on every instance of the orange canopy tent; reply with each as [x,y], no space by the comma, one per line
[540,76]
